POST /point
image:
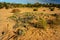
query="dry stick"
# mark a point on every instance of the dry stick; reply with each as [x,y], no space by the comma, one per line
[1,38]
[16,37]
[12,37]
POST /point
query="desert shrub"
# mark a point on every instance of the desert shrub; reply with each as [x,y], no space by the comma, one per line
[5,5]
[29,16]
[16,26]
[36,25]
[1,6]
[53,22]
[40,24]
[57,21]
[58,8]
[51,8]
[24,20]
[35,9]
[50,22]
[44,10]
[19,32]
[55,15]
[14,18]
[28,5]
[57,18]
[43,22]
[27,19]
[15,11]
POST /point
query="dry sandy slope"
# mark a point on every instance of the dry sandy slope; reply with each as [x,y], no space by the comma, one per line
[32,33]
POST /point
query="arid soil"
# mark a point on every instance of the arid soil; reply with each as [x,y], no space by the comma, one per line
[32,33]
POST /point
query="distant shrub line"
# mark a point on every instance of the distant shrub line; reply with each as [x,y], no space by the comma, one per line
[14,5]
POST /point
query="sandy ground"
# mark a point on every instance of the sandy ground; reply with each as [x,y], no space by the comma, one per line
[32,33]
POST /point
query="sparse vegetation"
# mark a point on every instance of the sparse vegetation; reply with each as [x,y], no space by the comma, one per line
[35,9]
[55,21]
[28,18]
[1,6]
[51,8]
[20,32]
[5,5]
[44,10]
[40,24]
[24,21]
[15,11]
